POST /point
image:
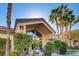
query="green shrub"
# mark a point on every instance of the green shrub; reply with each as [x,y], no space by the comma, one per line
[57,43]
[2,46]
[13,53]
[63,48]
[49,46]
[60,46]
[48,49]
[75,47]
[36,44]
[57,46]
[2,42]
[47,52]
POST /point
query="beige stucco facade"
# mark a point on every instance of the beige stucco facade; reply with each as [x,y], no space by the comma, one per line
[40,26]
[5,36]
[73,42]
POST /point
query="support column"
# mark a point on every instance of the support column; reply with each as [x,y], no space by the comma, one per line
[43,40]
[24,31]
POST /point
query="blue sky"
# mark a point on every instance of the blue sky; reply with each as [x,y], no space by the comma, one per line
[31,10]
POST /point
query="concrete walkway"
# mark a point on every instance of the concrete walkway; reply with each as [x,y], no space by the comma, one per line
[69,53]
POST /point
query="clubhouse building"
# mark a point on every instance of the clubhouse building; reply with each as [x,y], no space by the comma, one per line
[37,26]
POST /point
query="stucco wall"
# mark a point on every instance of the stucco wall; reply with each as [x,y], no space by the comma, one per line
[5,36]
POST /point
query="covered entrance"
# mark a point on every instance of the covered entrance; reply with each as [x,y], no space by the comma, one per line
[38,26]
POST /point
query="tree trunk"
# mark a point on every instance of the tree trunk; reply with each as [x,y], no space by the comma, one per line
[8,29]
[61,26]
[70,38]
[7,41]
[66,28]
[57,27]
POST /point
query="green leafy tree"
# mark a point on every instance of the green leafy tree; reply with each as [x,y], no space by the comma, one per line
[36,44]
[22,42]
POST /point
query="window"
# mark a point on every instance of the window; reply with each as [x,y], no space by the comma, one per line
[21,27]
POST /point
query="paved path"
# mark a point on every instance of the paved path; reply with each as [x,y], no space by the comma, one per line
[69,53]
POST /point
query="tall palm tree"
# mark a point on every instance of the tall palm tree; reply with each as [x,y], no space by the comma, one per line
[8,28]
[60,17]
[68,18]
[54,18]
[57,15]
[71,20]
[65,18]
[62,11]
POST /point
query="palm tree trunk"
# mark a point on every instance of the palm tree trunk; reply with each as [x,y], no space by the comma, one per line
[7,41]
[70,38]
[57,27]
[8,29]
[61,26]
[66,28]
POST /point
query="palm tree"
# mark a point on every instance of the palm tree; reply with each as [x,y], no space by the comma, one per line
[54,18]
[60,17]
[8,28]
[76,20]
[69,20]
[62,11]
[72,18]
[65,18]
[57,16]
